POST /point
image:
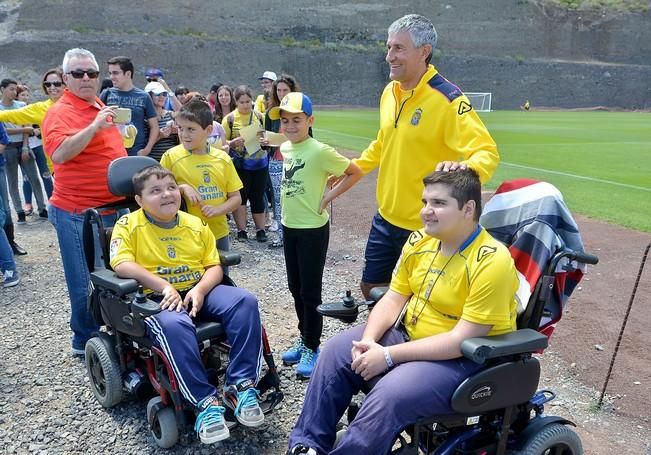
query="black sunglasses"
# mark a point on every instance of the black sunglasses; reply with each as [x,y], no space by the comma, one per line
[79,74]
[54,84]
[151,79]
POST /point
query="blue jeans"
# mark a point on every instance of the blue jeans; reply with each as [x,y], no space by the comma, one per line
[6,254]
[276,175]
[4,196]
[69,227]
[46,177]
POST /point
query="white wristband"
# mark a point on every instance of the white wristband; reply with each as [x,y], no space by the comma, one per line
[387,358]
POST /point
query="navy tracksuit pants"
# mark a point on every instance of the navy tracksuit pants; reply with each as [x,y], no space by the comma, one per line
[175,333]
[405,394]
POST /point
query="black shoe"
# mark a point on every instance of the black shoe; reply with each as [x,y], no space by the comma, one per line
[261,236]
[242,236]
[43,214]
[17,249]
[21,218]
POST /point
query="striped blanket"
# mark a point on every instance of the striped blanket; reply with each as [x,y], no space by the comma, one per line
[531,218]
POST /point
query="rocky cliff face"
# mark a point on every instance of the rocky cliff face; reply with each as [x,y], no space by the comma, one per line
[514,48]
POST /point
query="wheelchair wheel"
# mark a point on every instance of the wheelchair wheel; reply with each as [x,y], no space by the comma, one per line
[554,439]
[163,424]
[104,372]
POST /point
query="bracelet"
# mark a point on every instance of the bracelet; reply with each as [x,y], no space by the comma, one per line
[387,358]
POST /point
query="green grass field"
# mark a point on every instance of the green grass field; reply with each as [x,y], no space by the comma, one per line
[601,161]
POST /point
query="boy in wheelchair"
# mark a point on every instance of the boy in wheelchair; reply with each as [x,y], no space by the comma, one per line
[453,282]
[173,255]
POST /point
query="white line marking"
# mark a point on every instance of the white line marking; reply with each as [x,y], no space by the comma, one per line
[581,177]
[547,171]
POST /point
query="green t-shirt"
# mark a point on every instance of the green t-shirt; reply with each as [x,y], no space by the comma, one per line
[306,168]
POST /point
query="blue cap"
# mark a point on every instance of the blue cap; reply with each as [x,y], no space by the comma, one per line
[295,103]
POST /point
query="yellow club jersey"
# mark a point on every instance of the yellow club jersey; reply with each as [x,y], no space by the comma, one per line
[477,284]
[179,255]
[212,175]
[419,128]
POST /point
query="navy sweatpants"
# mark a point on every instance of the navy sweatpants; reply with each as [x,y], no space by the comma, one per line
[175,333]
[407,393]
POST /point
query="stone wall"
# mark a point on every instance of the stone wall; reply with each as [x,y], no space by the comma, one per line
[513,48]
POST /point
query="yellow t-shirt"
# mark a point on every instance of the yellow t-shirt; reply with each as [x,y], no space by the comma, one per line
[259,104]
[179,255]
[477,284]
[212,175]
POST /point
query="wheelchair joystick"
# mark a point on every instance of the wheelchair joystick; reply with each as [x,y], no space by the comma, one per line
[140,295]
[349,301]
[346,310]
[142,306]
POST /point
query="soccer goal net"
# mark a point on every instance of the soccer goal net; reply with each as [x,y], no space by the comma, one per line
[481,102]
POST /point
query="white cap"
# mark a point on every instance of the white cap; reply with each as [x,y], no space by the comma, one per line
[155,87]
[269,75]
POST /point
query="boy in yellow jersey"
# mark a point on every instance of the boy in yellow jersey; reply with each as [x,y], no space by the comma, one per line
[452,282]
[173,255]
[206,175]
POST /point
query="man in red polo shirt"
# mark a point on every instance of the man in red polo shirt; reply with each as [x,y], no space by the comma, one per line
[81,140]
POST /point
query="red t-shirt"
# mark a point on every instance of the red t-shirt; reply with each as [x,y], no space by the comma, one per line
[80,183]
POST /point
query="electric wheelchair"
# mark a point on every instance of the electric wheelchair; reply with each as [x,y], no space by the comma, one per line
[121,359]
[498,410]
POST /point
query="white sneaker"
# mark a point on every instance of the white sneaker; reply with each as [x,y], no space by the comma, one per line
[273,227]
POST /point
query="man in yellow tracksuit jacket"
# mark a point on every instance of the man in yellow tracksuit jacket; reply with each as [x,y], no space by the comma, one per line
[426,124]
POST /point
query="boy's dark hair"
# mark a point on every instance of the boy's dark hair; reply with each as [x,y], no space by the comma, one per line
[141,177]
[464,186]
[7,82]
[125,63]
[242,90]
[215,87]
[196,111]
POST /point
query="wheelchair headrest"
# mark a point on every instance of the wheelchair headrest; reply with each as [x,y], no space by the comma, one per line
[121,170]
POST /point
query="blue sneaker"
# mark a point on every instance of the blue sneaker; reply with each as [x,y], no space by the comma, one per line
[210,424]
[307,363]
[11,278]
[243,400]
[293,354]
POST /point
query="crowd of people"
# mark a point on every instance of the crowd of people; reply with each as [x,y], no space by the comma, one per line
[217,153]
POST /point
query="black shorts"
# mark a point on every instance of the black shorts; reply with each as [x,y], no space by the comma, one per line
[254,185]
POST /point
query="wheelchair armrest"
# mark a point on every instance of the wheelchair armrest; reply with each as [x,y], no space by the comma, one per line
[377,293]
[108,279]
[228,258]
[521,341]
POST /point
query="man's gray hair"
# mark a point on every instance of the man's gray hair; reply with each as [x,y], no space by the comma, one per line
[78,53]
[421,30]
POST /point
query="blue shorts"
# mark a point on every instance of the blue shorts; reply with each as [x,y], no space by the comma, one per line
[383,249]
